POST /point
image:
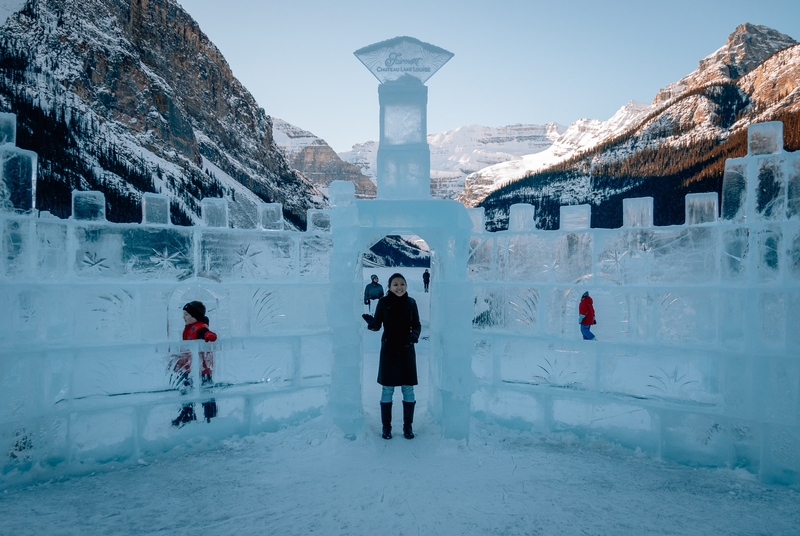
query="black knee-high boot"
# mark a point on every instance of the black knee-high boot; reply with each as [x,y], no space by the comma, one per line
[408,418]
[386,419]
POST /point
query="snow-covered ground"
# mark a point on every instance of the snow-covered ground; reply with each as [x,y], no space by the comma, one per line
[311,480]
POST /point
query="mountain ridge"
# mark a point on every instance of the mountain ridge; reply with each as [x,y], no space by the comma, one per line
[106,91]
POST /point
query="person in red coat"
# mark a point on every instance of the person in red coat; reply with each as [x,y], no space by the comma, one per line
[194,314]
[586,316]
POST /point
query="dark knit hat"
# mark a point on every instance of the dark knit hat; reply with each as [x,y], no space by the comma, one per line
[196,309]
[585,294]
[373,276]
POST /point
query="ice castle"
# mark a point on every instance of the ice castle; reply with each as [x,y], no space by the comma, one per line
[698,358]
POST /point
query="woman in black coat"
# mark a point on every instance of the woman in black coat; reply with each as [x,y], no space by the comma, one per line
[398,314]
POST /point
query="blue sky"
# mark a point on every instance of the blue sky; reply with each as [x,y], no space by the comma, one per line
[515,61]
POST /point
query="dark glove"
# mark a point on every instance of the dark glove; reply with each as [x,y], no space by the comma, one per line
[595,322]
[413,338]
[368,318]
[366,302]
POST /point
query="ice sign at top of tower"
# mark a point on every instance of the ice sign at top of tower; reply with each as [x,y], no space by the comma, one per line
[392,59]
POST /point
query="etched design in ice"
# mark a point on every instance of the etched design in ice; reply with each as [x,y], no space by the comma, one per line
[670,383]
[264,310]
[164,261]
[93,263]
[555,375]
[526,307]
[246,262]
[613,262]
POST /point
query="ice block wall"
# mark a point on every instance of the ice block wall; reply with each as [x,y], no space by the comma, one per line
[92,323]
[697,357]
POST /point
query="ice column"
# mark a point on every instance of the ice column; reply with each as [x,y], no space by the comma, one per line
[765,138]
[8,128]
[478,217]
[701,208]
[767,193]
[17,170]
[270,216]
[155,209]
[734,190]
[520,217]
[319,220]
[402,65]
[793,188]
[89,206]
[576,217]
[215,212]
[637,212]
[343,311]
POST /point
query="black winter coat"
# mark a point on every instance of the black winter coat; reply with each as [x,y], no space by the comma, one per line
[400,319]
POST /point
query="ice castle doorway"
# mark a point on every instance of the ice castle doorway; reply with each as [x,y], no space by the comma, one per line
[445,227]
[409,256]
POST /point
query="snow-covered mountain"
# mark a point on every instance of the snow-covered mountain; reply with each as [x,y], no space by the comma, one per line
[679,143]
[129,97]
[317,161]
[455,154]
[579,136]
[471,162]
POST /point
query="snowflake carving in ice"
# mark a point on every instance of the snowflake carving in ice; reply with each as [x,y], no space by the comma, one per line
[246,262]
[164,261]
[614,261]
[92,262]
[551,267]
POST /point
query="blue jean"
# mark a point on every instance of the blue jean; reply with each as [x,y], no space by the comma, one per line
[587,334]
[388,392]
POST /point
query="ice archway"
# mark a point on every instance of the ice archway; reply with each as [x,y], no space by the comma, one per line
[445,226]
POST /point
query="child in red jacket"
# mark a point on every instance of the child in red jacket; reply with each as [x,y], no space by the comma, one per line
[194,314]
[586,316]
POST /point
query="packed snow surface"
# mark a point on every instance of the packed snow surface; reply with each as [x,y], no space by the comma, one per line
[311,480]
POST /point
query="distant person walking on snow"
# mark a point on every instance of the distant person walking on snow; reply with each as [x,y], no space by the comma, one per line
[399,316]
[373,291]
[426,279]
[194,314]
[586,316]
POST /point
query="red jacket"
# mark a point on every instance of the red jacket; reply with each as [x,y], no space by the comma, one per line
[197,331]
[587,309]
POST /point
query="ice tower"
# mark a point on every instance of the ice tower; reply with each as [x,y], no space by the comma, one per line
[403,65]
[404,207]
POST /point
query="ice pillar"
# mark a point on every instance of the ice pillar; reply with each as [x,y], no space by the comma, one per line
[402,65]
[344,312]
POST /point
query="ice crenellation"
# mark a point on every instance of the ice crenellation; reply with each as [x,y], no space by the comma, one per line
[695,359]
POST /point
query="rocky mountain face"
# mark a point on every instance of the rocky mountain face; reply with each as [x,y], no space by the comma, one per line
[315,159]
[130,96]
[679,143]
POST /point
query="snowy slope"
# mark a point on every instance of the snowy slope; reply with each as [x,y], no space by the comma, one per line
[579,136]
